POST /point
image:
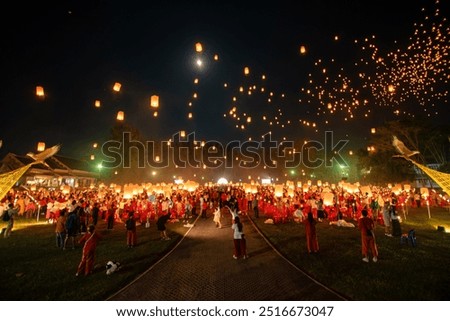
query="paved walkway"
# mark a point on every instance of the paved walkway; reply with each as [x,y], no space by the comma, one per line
[201,268]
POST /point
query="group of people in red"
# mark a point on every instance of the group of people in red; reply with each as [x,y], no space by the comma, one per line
[109,205]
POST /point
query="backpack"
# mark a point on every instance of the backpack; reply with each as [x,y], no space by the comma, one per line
[5,216]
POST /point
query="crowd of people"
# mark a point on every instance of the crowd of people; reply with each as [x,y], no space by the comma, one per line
[78,212]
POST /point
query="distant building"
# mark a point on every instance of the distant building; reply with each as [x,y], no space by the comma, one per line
[57,171]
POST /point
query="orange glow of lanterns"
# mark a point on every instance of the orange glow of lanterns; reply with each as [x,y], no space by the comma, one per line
[216,57]
[40,146]
[39,91]
[120,115]
[154,101]
[302,50]
[155,114]
[373,130]
[246,71]
[190,115]
[198,47]
[97,103]
[117,86]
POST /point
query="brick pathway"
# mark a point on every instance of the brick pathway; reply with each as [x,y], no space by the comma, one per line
[201,268]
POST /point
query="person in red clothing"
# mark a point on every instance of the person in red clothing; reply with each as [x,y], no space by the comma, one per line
[312,244]
[90,239]
[366,225]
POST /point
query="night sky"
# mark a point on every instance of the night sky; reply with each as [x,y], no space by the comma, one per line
[77,50]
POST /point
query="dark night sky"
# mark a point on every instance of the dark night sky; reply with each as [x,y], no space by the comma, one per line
[77,49]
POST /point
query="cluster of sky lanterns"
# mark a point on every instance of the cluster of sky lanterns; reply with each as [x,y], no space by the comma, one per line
[419,72]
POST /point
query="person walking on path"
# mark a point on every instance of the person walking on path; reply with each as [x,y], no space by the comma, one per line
[91,240]
[240,244]
[217,217]
[130,225]
[312,244]
[366,225]
[161,226]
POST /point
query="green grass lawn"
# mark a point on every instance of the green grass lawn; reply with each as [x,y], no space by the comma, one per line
[403,272]
[33,268]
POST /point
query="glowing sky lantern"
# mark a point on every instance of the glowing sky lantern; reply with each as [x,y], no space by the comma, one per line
[92,157]
[424,191]
[182,133]
[391,88]
[120,115]
[94,145]
[249,119]
[40,146]
[278,190]
[198,47]
[302,50]
[246,71]
[216,57]
[97,103]
[117,86]
[39,91]
[190,115]
[154,101]
[155,114]
[328,199]
[373,130]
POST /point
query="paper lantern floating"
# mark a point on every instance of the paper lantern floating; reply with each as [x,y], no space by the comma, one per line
[155,114]
[40,146]
[246,71]
[198,47]
[117,86]
[190,115]
[373,130]
[92,157]
[249,119]
[182,133]
[120,115]
[424,191]
[154,101]
[302,50]
[97,103]
[39,91]
[216,57]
